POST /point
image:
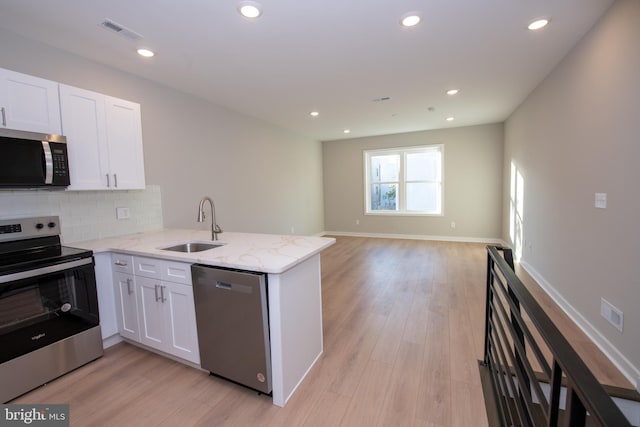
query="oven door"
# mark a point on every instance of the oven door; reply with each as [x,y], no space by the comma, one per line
[47,304]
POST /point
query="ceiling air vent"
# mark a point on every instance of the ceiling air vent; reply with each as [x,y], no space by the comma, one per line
[108,24]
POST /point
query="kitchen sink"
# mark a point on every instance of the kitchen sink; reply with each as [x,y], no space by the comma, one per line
[192,246]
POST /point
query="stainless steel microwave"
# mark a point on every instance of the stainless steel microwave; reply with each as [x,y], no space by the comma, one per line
[33,160]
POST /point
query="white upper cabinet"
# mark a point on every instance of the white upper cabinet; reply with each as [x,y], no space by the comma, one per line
[84,124]
[29,103]
[124,133]
[104,139]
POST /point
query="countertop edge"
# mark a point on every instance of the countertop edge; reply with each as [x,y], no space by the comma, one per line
[109,245]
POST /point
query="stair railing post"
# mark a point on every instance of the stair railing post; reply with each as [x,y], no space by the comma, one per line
[487,320]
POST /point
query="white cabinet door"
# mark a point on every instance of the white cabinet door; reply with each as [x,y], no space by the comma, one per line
[151,312]
[104,140]
[167,318]
[126,305]
[84,125]
[29,103]
[182,338]
[124,133]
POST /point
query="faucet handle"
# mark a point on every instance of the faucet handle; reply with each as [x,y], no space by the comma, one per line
[217,228]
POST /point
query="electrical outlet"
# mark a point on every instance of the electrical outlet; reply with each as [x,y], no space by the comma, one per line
[613,314]
[601,200]
[453,224]
[293,230]
[123,213]
[357,222]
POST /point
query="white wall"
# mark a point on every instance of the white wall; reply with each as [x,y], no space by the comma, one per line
[472,185]
[575,135]
[262,178]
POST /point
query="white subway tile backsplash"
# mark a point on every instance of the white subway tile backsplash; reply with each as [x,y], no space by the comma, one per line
[88,215]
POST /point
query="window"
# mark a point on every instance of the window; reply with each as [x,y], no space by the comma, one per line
[404,181]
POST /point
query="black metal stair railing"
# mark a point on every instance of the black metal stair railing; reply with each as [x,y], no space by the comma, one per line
[513,317]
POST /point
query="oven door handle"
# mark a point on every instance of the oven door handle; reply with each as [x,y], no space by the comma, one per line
[44,270]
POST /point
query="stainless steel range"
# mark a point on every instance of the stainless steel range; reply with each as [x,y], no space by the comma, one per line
[49,323]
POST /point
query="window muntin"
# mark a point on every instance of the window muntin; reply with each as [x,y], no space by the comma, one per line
[404,181]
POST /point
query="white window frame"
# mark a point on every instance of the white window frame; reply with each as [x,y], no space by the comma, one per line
[402,180]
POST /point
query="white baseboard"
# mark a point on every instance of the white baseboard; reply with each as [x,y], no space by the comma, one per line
[631,372]
[491,240]
[110,341]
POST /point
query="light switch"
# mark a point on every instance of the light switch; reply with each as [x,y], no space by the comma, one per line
[601,200]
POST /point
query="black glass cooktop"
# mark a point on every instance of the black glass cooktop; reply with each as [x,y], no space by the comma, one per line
[35,253]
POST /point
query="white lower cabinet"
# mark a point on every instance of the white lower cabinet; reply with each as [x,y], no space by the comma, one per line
[167,318]
[155,305]
[125,295]
[126,305]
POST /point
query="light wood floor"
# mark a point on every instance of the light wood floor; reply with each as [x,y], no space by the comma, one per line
[403,330]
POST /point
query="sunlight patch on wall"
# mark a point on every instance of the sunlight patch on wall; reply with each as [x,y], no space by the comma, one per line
[516,210]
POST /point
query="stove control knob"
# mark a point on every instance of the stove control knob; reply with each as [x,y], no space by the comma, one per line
[51,225]
[39,226]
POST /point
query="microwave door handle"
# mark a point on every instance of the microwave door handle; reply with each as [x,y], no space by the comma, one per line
[48,163]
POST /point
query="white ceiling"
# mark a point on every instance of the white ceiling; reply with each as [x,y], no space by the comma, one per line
[333,56]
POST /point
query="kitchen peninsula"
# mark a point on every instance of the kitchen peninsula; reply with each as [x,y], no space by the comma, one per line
[292,265]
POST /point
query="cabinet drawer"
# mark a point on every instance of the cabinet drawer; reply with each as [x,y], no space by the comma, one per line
[122,263]
[148,267]
[177,272]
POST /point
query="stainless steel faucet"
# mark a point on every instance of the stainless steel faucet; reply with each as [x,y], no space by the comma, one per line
[215,229]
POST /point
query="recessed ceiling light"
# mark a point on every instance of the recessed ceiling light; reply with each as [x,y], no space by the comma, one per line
[538,24]
[314,114]
[346,131]
[250,9]
[452,91]
[145,52]
[450,119]
[410,20]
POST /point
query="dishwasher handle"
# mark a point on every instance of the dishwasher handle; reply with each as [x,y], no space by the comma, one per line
[223,285]
[234,287]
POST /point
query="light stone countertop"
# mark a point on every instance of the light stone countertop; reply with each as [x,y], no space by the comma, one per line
[267,253]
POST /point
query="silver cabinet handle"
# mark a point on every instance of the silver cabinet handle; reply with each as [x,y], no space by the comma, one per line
[162,298]
[155,290]
[4,117]
[120,263]
[108,183]
[115,180]
[129,291]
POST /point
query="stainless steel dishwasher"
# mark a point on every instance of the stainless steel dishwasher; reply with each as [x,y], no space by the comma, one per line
[233,325]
